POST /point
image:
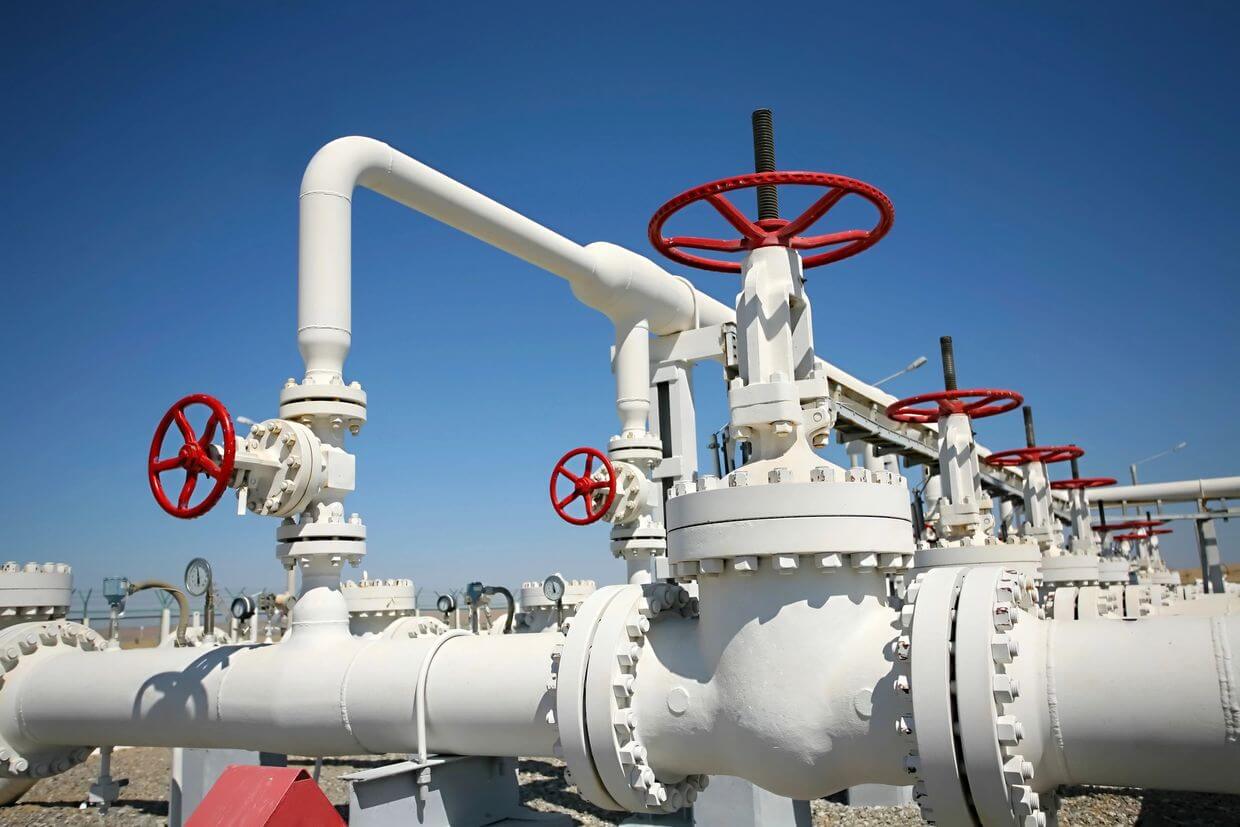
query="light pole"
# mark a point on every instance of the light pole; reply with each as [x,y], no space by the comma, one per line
[909,368]
[1132,469]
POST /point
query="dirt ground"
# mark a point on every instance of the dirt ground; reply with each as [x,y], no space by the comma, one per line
[56,802]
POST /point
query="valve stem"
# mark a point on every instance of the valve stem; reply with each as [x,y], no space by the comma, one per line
[764,161]
[1030,440]
[949,363]
[1076,469]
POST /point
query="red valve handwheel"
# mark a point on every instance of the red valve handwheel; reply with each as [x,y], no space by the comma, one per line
[1037,453]
[584,486]
[985,402]
[1081,483]
[1142,535]
[194,456]
[1127,524]
[772,232]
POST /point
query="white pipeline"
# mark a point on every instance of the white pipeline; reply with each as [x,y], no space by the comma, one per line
[1154,703]
[314,694]
[621,284]
[1212,488]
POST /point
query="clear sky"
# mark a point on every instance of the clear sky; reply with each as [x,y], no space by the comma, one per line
[1064,176]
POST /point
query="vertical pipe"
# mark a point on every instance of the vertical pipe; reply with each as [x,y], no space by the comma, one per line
[632,369]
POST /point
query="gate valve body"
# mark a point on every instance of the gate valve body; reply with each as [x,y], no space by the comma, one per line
[596,488]
[197,456]
[963,512]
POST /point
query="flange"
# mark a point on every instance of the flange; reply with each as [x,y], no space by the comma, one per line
[835,511]
[18,646]
[926,647]
[612,728]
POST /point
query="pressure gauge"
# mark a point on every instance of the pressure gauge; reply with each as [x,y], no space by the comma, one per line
[243,607]
[553,588]
[445,603]
[197,576]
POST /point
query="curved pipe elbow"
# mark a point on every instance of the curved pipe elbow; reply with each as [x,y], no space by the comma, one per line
[340,165]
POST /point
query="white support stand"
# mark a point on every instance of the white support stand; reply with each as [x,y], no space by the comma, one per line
[195,771]
[450,791]
[734,802]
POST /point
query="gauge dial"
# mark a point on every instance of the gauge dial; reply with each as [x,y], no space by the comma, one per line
[554,587]
[445,603]
[243,607]
[197,576]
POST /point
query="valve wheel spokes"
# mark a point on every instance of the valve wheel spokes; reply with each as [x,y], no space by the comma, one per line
[976,403]
[772,232]
[1045,454]
[584,486]
[1081,483]
[194,456]
[1127,525]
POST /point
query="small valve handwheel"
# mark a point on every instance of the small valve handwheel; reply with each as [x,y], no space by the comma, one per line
[975,403]
[1142,535]
[772,232]
[1127,525]
[585,486]
[1081,483]
[194,456]
[1036,453]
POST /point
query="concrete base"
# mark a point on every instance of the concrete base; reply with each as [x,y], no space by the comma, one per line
[447,792]
[195,771]
[734,802]
[879,795]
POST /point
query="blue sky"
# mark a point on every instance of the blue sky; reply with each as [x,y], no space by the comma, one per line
[1064,179]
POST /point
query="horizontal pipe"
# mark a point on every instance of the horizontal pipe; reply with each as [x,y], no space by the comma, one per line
[621,284]
[1211,488]
[314,694]
[1153,703]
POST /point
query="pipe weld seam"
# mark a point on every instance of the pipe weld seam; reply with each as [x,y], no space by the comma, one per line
[343,699]
[1228,683]
[1052,701]
[304,328]
[333,193]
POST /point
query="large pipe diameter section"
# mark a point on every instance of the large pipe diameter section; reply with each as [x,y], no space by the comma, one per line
[1152,703]
[325,695]
[785,680]
[621,284]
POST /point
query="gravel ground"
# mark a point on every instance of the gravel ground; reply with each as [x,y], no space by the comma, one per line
[55,801]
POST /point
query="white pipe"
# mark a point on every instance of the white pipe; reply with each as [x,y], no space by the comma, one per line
[632,368]
[621,284]
[1212,488]
[1148,704]
[320,692]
